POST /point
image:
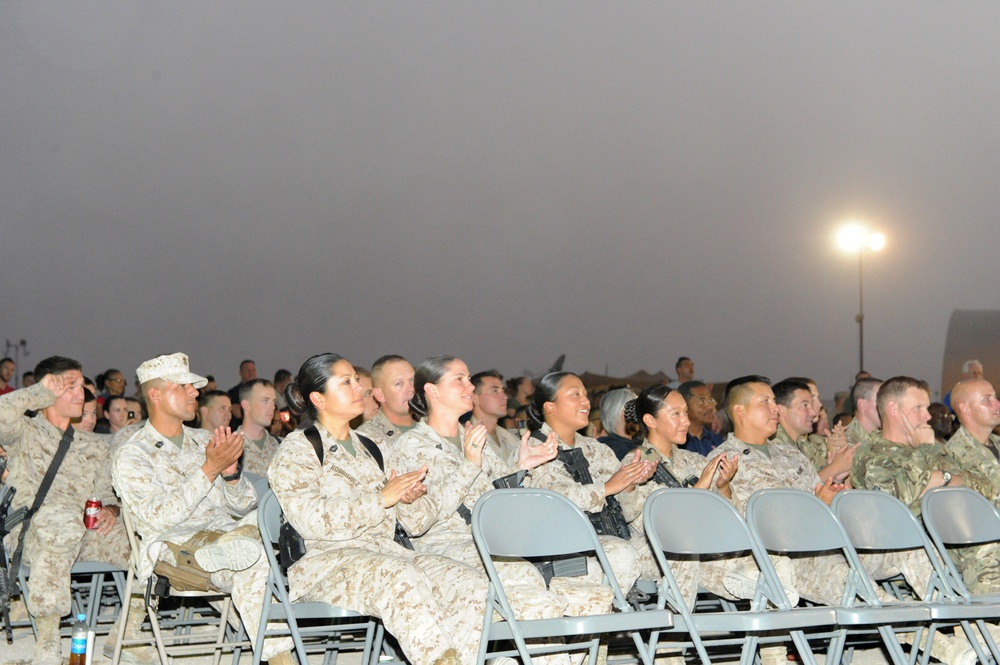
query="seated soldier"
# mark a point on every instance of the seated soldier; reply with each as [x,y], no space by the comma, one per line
[56,537]
[975,448]
[185,488]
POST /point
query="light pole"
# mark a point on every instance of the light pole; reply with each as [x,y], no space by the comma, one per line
[855,237]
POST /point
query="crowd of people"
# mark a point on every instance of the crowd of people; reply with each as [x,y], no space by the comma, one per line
[379,471]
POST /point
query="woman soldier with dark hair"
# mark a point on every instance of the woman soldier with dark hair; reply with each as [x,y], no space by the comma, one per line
[345,507]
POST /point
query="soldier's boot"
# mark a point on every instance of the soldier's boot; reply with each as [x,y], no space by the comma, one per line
[777,655]
[741,581]
[48,648]
[235,550]
[134,655]
[449,657]
[283,658]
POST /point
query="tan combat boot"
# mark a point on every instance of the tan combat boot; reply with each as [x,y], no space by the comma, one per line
[234,550]
[134,655]
[449,657]
[283,658]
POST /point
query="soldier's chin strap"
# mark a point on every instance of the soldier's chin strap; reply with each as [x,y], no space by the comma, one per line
[43,489]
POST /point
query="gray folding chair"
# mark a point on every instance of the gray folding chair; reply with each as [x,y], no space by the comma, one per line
[92,583]
[788,521]
[878,521]
[698,523]
[260,484]
[961,517]
[538,523]
[338,622]
[182,642]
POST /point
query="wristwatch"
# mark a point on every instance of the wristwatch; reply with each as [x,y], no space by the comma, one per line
[239,472]
[947,478]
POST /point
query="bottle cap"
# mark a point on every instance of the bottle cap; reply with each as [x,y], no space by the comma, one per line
[81,617]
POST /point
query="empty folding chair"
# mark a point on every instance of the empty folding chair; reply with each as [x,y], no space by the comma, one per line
[794,522]
[698,523]
[538,523]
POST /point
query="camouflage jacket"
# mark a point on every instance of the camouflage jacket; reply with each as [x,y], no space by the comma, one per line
[31,444]
[504,443]
[780,465]
[682,464]
[590,498]
[171,498]
[812,446]
[381,430]
[334,506]
[451,480]
[257,456]
[980,469]
[855,433]
[901,470]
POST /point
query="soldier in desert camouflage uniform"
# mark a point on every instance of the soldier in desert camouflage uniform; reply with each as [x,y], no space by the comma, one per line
[661,414]
[866,426]
[975,448]
[489,405]
[186,491]
[56,537]
[346,510]
[461,468]
[560,405]
[392,388]
[257,401]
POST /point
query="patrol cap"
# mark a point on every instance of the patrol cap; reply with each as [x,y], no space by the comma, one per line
[173,368]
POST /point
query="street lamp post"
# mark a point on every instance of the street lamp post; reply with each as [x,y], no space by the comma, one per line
[854,237]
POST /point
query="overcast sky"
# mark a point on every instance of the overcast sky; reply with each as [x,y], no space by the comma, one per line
[620,182]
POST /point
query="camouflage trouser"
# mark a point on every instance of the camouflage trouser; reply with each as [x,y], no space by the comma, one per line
[49,579]
[911,564]
[430,603]
[980,567]
[624,562]
[821,578]
[246,587]
[690,573]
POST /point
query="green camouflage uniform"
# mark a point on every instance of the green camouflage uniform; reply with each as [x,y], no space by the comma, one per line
[812,446]
[980,469]
[901,470]
[855,433]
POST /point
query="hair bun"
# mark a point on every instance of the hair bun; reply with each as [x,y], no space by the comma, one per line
[418,405]
[631,412]
[293,396]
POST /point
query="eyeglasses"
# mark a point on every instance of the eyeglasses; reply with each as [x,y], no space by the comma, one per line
[116,379]
[705,401]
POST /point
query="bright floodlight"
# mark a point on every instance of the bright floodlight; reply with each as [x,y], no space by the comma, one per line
[855,237]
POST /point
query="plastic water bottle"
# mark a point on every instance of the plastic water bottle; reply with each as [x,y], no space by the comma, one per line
[78,650]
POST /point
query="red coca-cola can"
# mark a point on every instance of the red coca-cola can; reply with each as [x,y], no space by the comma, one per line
[90,512]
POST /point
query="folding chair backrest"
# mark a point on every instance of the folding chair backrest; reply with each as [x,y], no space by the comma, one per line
[268,517]
[878,521]
[789,520]
[531,523]
[694,521]
[960,516]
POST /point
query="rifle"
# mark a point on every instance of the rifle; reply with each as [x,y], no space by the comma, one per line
[6,524]
[611,520]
